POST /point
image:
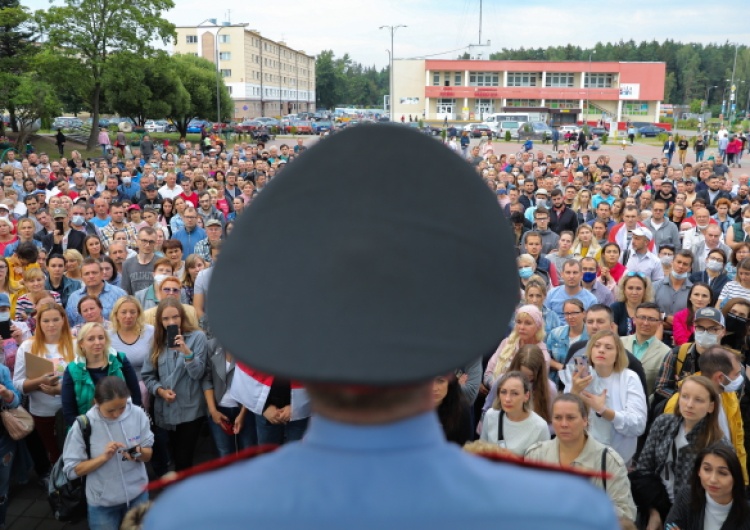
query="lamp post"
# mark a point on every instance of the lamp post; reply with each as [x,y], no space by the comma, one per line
[708,93]
[588,90]
[392,29]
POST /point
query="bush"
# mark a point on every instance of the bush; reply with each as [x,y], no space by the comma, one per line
[421,125]
[444,134]
[605,138]
[293,130]
[507,136]
[662,137]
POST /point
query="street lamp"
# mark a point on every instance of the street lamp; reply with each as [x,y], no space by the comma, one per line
[392,29]
[708,93]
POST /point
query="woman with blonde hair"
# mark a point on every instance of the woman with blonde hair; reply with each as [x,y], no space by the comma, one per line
[34,282]
[612,391]
[535,294]
[95,360]
[585,244]
[582,206]
[529,329]
[52,340]
[73,263]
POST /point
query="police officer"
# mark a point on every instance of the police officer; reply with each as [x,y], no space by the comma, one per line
[375,282]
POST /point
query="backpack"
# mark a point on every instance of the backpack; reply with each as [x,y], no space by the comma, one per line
[68,497]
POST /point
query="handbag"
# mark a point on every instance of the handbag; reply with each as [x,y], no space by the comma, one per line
[68,497]
[17,422]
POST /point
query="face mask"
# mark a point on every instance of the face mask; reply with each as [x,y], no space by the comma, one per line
[158,278]
[159,177]
[666,260]
[41,186]
[525,272]
[589,277]
[126,180]
[704,339]
[714,265]
[736,325]
[679,276]
[77,220]
[4,316]
[734,384]
[702,227]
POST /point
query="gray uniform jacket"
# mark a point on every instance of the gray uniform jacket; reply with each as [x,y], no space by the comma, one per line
[217,376]
[184,378]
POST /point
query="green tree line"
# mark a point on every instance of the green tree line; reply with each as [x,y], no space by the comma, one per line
[692,68]
[341,81]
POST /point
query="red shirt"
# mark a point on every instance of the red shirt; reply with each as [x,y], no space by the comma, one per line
[192,198]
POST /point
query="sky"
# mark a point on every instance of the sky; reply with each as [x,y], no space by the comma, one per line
[438,26]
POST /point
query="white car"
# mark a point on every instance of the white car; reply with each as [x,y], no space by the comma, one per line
[569,128]
[153,126]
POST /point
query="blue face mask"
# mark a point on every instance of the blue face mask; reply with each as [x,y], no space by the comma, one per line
[589,277]
[679,276]
[77,220]
[525,272]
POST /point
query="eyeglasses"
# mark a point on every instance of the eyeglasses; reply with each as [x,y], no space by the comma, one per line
[170,290]
[712,330]
[148,241]
[572,314]
[650,320]
[630,274]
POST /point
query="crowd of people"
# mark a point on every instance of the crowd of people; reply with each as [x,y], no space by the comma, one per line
[626,354]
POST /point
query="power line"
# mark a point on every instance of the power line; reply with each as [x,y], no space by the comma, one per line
[435,54]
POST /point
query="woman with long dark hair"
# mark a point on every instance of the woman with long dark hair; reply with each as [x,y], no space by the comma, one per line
[716,497]
[452,409]
[173,374]
[673,442]
[700,296]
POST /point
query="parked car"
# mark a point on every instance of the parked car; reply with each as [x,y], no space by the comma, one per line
[196,126]
[302,126]
[651,131]
[534,130]
[432,130]
[153,126]
[247,126]
[476,130]
[321,126]
[599,131]
[269,122]
[65,122]
[572,129]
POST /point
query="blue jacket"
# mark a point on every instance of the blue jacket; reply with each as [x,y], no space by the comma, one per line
[189,239]
[401,475]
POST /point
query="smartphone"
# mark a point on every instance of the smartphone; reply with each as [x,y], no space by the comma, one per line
[172,331]
[5,329]
[133,452]
[582,365]
[59,227]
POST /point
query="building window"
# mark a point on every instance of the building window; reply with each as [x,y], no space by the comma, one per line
[192,39]
[457,79]
[484,79]
[225,56]
[523,103]
[522,79]
[559,80]
[562,104]
[226,73]
[635,108]
[598,80]
[224,39]
[436,79]
[230,90]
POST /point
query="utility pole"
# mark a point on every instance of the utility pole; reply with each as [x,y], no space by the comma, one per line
[392,29]
[732,94]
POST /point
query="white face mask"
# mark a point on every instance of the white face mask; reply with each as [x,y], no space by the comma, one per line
[158,278]
[714,265]
[734,384]
[704,339]
[4,316]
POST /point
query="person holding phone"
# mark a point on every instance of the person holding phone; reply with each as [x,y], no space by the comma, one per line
[617,401]
[173,374]
[53,341]
[64,237]
[120,444]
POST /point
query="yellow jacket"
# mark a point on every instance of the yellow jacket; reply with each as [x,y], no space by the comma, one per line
[731,405]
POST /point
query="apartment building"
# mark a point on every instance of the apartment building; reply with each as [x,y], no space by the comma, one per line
[563,91]
[264,77]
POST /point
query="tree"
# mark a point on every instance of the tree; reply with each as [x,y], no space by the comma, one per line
[34,101]
[696,106]
[72,91]
[17,46]
[158,86]
[94,30]
[196,97]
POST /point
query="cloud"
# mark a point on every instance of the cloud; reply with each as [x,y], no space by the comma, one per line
[435,26]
